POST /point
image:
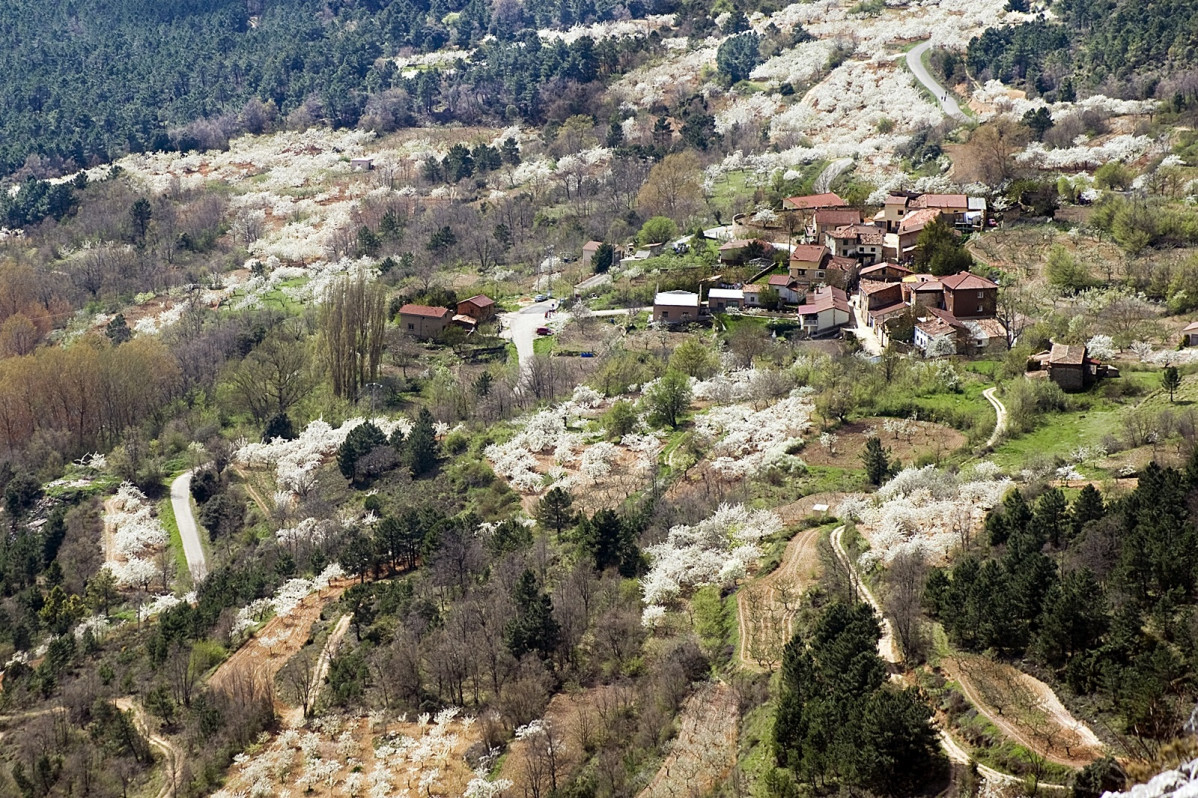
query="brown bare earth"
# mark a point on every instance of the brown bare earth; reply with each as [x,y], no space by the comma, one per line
[574,720]
[766,607]
[278,640]
[704,752]
[925,438]
[1025,709]
[1024,249]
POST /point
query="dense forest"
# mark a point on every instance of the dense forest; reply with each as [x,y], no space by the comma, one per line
[1128,48]
[86,81]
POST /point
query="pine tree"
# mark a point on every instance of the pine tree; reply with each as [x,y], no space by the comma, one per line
[877,466]
[554,510]
[421,445]
[1086,507]
[360,442]
[533,630]
[1171,380]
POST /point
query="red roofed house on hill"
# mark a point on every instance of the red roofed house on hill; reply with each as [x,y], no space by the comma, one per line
[968,296]
[422,321]
[828,219]
[480,308]
[826,309]
[808,263]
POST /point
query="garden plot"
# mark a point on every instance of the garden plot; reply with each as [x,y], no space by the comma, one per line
[358,755]
[906,439]
[704,752]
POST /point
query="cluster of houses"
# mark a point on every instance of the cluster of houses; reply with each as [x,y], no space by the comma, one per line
[840,250]
[425,321]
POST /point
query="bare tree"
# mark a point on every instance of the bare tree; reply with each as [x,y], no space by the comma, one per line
[353,322]
[299,678]
[903,601]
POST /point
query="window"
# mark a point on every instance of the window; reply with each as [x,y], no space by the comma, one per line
[665,314]
[411,326]
[802,272]
[819,274]
[981,294]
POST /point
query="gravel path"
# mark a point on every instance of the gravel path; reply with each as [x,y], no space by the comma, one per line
[1000,412]
[181,504]
[948,103]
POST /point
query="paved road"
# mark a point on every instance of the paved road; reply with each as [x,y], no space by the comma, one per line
[181,504]
[1000,412]
[864,333]
[521,327]
[948,103]
[823,183]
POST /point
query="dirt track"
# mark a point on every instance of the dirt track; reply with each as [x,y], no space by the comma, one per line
[777,593]
[1031,714]
[279,640]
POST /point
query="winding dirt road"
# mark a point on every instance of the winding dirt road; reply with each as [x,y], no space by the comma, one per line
[887,648]
[181,504]
[955,752]
[173,757]
[1000,412]
[778,592]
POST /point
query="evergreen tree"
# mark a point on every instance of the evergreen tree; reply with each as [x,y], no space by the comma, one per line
[553,510]
[361,441]
[1086,507]
[1170,380]
[1051,517]
[533,630]
[421,445]
[877,466]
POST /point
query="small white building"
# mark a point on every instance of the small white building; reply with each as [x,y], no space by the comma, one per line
[721,299]
[826,308]
[675,307]
[1191,334]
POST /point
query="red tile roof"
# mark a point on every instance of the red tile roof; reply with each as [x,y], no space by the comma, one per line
[825,298]
[874,286]
[884,267]
[889,310]
[837,216]
[424,310]
[480,301]
[780,279]
[592,246]
[967,281]
[914,222]
[809,253]
[828,200]
[954,201]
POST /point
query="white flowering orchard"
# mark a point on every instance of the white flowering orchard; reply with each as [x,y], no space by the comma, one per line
[137,538]
[296,461]
[716,551]
[927,509]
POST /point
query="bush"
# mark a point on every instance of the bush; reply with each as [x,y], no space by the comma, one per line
[1028,399]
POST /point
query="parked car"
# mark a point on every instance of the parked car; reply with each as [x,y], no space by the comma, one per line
[540,297]
[544,331]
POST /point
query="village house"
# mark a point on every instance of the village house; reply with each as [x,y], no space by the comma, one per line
[881,302]
[422,321]
[968,296]
[675,307]
[987,336]
[1070,366]
[1191,333]
[589,249]
[862,242]
[935,337]
[900,244]
[924,293]
[963,212]
[884,272]
[808,263]
[752,295]
[825,309]
[790,291]
[722,299]
[825,220]
[480,308]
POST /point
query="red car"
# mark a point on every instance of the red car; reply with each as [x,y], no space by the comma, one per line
[544,331]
